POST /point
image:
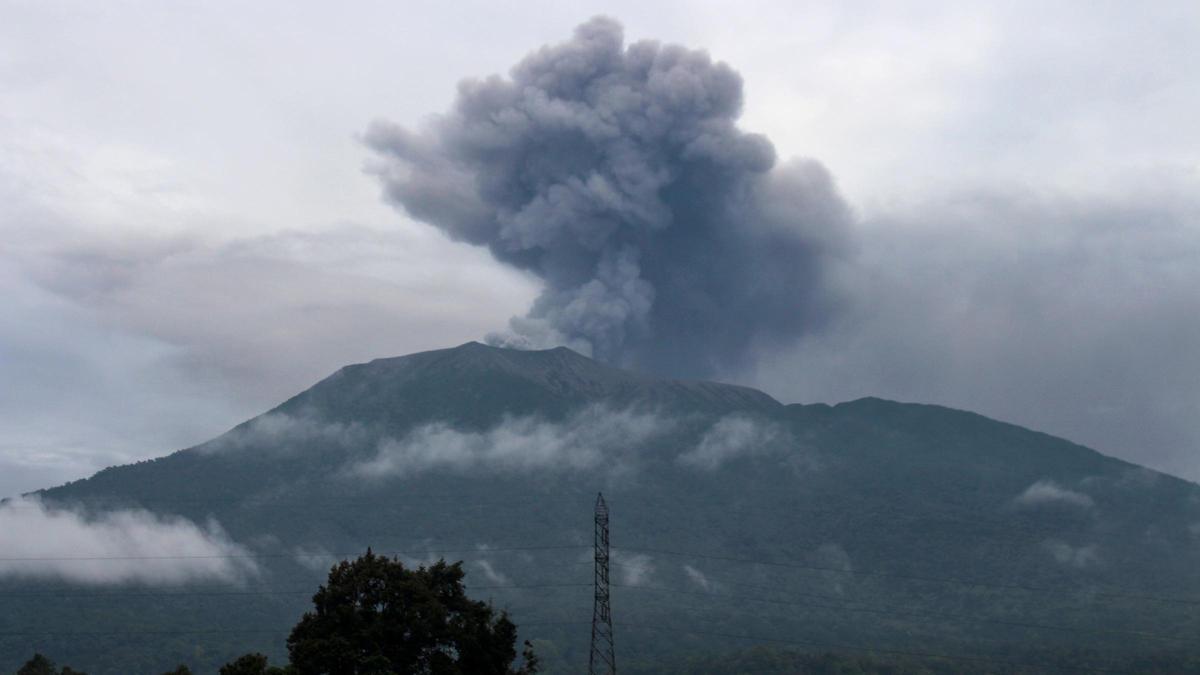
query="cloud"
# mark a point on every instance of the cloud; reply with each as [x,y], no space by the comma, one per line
[427,558]
[490,573]
[665,237]
[104,340]
[339,295]
[1072,314]
[633,569]
[315,558]
[1132,479]
[1047,492]
[283,432]
[117,547]
[584,440]
[999,160]
[140,318]
[697,577]
[1074,556]
[1139,478]
[733,436]
[835,557]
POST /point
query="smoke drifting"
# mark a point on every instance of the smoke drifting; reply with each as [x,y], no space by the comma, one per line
[666,237]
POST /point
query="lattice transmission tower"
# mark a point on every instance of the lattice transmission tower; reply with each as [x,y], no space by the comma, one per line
[602,660]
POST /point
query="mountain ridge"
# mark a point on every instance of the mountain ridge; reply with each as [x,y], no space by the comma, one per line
[475,446]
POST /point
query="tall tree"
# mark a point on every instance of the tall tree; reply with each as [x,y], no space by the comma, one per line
[377,617]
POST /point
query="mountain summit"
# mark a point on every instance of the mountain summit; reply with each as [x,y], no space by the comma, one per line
[475,380]
[868,522]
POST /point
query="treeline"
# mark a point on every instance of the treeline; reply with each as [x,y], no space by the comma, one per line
[778,661]
[374,615]
[250,664]
[774,661]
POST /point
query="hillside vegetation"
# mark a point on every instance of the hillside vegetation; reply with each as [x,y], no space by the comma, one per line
[736,520]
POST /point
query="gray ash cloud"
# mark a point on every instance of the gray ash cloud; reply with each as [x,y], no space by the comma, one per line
[666,237]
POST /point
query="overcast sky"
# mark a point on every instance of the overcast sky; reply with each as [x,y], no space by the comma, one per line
[188,235]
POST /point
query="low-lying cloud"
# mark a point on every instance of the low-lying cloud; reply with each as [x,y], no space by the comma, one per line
[117,547]
[834,557]
[585,439]
[734,436]
[697,577]
[490,572]
[594,436]
[633,569]
[1046,492]
[1073,556]
[280,431]
[315,558]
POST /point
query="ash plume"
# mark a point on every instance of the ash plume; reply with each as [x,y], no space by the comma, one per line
[666,237]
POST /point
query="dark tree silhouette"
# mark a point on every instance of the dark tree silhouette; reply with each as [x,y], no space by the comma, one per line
[40,665]
[250,664]
[374,616]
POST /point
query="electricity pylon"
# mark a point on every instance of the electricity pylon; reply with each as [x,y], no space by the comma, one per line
[602,660]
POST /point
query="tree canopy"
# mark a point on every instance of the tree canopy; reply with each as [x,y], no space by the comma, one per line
[374,616]
[40,665]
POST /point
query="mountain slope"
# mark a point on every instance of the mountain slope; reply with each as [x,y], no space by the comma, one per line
[866,523]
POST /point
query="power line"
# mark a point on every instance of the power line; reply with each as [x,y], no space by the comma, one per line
[407,552]
[251,593]
[841,605]
[463,499]
[903,612]
[505,500]
[54,502]
[525,624]
[209,631]
[913,577]
[279,630]
[475,551]
[878,650]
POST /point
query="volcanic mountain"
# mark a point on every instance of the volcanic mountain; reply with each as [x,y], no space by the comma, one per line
[735,518]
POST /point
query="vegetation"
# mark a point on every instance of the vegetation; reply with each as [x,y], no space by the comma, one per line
[376,617]
[876,521]
[40,665]
[775,661]
[253,664]
[766,660]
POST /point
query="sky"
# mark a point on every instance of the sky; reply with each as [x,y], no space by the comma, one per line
[193,226]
